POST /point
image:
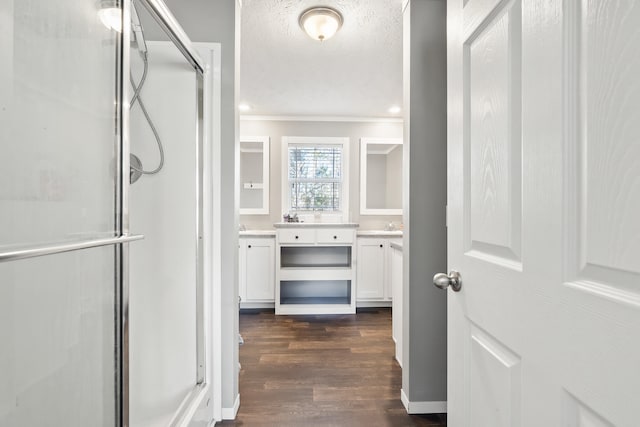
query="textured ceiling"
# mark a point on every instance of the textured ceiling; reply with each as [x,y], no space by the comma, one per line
[358,72]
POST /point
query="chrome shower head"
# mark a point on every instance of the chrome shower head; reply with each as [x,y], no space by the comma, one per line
[137,30]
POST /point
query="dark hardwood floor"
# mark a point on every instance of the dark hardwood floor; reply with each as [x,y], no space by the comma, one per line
[334,370]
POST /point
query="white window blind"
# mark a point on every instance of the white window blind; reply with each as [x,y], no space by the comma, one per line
[315,177]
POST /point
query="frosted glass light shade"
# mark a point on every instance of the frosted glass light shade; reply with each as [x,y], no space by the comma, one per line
[110,15]
[321,23]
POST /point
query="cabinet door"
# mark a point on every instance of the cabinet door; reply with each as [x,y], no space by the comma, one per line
[242,266]
[259,270]
[396,314]
[371,269]
[388,285]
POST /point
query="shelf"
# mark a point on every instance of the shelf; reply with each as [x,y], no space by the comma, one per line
[315,289]
[315,267]
[316,300]
[329,273]
[253,186]
[315,309]
[315,257]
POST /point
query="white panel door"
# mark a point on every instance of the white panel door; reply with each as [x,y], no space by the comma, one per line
[544,212]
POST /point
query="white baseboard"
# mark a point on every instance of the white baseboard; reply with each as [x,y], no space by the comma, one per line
[373,304]
[230,413]
[422,407]
[399,363]
[256,305]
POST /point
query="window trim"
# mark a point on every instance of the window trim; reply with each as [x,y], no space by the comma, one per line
[339,216]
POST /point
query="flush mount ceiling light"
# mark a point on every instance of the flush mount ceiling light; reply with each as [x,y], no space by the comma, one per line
[320,23]
[110,14]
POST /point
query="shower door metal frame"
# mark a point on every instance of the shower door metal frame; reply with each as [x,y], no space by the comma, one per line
[172,28]
[122,219]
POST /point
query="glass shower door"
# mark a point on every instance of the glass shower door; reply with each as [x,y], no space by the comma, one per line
[61,220]
[167,360]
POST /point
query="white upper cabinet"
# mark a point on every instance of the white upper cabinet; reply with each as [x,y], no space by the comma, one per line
[380,176]
[254,175]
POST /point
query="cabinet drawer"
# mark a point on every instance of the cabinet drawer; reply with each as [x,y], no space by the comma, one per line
[297,236]
[336,235]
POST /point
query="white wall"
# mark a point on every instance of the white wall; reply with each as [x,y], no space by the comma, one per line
[218,21]
[276,129]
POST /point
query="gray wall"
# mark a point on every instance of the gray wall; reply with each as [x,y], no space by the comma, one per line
[215,21]
[424,377]
[276,129]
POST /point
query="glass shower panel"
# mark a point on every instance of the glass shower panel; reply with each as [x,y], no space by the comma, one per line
[57,122]
[163,206]
[57,333]
[59,140]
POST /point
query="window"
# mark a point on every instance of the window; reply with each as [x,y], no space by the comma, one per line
[315,175]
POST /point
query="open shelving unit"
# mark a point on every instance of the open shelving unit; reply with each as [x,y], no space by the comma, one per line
[315,271]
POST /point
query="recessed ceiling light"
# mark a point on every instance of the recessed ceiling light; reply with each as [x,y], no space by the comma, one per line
[394,109]
[244,107]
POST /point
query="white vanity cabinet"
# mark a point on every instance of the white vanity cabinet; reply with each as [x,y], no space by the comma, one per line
[380,281]
[315,272]
[374,268]
[257,271]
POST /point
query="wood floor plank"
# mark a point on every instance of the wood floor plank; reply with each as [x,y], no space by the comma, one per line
[367,392]
[329,370]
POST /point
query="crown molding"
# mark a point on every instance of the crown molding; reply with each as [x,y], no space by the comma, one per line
[249,117]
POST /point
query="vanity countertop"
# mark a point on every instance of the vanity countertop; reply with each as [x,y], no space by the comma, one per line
[315,225]
[379,233]
[257,233]
[397,246]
